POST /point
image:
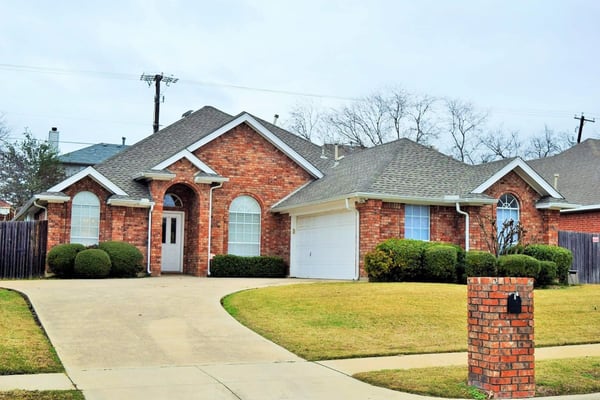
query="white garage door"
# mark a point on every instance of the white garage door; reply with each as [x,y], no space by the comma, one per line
[324,246]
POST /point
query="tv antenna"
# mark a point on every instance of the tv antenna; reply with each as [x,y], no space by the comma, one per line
[157,79]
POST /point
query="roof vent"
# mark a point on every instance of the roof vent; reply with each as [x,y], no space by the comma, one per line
[187,113]
[275,118]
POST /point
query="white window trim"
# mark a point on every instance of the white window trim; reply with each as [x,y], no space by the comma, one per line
[428,220]
[259,213]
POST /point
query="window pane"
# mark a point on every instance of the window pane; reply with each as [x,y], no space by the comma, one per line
[244,227]
[416,222]
[85,218]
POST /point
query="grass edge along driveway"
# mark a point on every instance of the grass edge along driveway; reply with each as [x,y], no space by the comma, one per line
[25,348]
[323,321]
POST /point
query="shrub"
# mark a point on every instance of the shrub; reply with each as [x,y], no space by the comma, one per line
[561,256]
[439,263]
[377,265]
[480,263]
[407,258]
[92,263]
[518,265]
[126,259]
[248,267]
[61,259]
[547,274]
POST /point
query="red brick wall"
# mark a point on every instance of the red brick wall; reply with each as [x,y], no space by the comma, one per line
[501,345]
[258,169]
[588,221]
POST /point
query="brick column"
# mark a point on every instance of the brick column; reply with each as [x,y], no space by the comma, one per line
[501,346]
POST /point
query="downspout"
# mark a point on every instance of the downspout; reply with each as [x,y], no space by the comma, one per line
[149,236]
[467,237]
[210,197]
[42,207]
[356,241]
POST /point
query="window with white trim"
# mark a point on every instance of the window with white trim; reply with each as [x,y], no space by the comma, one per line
[416,222]
[507,209]
[85,218]
[244,227]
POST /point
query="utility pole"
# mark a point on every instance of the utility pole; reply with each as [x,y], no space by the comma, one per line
[582,120]
[157,79]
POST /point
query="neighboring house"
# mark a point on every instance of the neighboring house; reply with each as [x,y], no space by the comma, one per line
[6,211]
[212,183]
[577,176]
[75,161]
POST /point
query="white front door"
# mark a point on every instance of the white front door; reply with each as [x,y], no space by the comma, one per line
[172,242]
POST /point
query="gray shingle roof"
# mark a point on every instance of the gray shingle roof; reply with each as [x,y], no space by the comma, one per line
[93,154]
[579,170]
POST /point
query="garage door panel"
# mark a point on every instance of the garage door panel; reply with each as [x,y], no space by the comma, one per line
[324,246]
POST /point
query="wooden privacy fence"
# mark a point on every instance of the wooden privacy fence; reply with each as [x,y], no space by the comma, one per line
[23,249]
[586,254]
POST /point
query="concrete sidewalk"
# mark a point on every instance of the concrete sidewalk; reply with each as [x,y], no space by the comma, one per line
[169,338]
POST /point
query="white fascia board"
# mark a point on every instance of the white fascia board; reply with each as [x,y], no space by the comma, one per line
[209,179]
[52,199]
[185,153]
[591,207]
[533,176]
[143,203]
[264,132]
[92,173]
[156,176]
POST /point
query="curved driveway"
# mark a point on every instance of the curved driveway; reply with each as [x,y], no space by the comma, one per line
[169,338]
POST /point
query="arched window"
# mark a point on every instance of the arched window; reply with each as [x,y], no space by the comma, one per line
[508,209]
[172,200]
[244,227]
[85,218]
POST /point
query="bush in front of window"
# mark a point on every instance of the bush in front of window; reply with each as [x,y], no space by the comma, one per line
[61,259]
[520,265]
[126,259]
[228,265]
[480,263]
[92,264]
[439,263]
[407,258]
[561,256]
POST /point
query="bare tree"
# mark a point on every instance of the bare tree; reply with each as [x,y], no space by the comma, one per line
[398,102]
[464,126]
[4,131]
[548,143]
[500,145]
[307,121]
[421,115]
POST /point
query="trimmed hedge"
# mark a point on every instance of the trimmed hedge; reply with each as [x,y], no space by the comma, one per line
[92,263]
[480,263]
[247,267]
[61,259]
[561,256]
[125,258]
[377,265]
[518,265]
[439,263]
[548,273]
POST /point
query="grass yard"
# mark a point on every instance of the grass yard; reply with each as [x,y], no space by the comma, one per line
[24,349]
[357,319]
[45,395]
[553,378]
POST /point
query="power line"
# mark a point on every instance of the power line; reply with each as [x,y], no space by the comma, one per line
[157,79]
[582,120]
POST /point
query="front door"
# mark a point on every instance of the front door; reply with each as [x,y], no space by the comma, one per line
[172,242]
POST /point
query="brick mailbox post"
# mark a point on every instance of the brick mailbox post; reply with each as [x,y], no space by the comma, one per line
[501,339]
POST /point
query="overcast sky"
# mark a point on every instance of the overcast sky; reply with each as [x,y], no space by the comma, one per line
[76,64]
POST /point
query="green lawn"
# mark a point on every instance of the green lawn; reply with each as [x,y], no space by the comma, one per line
[553,378]
[357,319]
[25,349]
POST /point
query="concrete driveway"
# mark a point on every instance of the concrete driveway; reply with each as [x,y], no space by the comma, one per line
[169,338]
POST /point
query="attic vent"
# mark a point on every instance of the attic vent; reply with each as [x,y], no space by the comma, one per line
[187,113]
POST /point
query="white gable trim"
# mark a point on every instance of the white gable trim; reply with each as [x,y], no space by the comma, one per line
[531,177]
[264,132]
[92,173]
[185,153]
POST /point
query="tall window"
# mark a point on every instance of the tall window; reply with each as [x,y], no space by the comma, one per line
[244,227]
[507,209]
[416,222]
[85,219]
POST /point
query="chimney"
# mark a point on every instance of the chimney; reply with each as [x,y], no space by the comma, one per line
[123,141]
[53,139]
[275,118]
[556,176]
[337,156]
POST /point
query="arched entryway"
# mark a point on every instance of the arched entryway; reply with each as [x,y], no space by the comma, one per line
[180,212]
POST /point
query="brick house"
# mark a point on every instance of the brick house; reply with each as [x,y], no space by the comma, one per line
[212,183]
[578,179]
